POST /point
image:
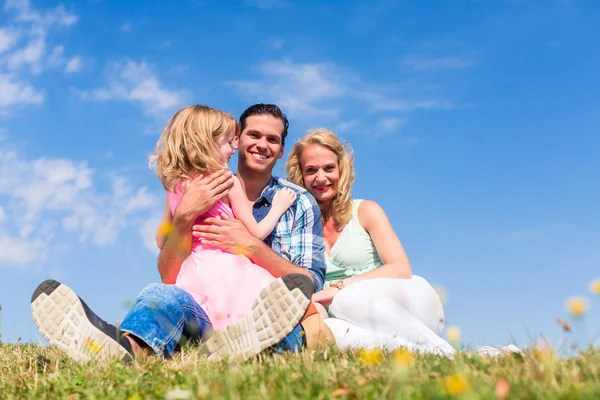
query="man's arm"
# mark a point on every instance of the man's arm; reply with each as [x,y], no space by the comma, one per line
[200,195]
[231,235]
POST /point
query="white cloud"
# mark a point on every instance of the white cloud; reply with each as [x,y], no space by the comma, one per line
[75,64]
[25,13]
[30,55]
[346,125]
[8,38]
[19,251]
[41,196]
[276,43]
[424,63]
[13,91]
[24,49]
[56,57]
[325,90]
[136,83]
[300,89]
[126,27]
[389,125]
[147,231]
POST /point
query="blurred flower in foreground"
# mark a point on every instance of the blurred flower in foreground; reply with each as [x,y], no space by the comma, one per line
[542,348]
[178,394]
[92,346]
[370,356]
[577,306]
[456,384]
[563,324]
[453,334]
[441,292]
[165,228]
[402,358]
[502,388]
[595,286]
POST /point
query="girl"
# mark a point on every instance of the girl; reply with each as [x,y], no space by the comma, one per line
[198,141]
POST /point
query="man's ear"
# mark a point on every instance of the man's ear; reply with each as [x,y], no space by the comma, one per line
[281,153]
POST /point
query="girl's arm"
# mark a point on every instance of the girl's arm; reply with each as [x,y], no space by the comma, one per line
[165,225]
[242,210]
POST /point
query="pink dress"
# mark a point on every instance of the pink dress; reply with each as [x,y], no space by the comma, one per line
[223,284]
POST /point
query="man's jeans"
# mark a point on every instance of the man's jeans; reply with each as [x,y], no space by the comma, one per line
[165,317]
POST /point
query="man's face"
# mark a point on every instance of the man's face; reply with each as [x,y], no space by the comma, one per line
[259,144]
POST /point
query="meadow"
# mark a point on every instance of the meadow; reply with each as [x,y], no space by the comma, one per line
[34,371]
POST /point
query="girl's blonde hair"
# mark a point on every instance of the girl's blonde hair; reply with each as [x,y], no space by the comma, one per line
[341,210]
[188,147]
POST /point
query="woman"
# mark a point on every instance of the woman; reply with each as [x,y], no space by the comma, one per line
[369,286]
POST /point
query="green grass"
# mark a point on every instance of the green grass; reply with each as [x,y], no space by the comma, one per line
[31,371]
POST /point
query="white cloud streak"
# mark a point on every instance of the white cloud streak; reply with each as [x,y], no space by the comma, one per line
[60,192]
[424,63]
[136,83]
[324,91]
[25,49]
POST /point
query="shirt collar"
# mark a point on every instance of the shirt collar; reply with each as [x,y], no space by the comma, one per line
[269,191]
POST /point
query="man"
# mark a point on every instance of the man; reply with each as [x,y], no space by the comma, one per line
[164,316]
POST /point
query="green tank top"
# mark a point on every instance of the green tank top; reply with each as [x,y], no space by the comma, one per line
[354,252]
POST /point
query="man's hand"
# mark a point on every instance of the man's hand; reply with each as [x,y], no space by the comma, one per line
[200,195]
[325,296]
[228,234]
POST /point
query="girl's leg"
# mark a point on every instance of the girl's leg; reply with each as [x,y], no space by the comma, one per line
[350,336]
[377,305]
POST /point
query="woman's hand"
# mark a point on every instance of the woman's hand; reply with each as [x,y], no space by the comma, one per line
[325,296]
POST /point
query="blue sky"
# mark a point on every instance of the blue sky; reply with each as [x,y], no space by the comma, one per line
[475,126]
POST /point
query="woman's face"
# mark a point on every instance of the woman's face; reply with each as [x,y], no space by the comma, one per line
[320,172]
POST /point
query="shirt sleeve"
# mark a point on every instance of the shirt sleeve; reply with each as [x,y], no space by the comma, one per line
[307,249]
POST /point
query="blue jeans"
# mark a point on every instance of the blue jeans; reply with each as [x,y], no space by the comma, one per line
[165,317]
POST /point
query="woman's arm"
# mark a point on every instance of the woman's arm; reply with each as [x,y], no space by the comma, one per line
[242,210]
[395,262]
[165,225]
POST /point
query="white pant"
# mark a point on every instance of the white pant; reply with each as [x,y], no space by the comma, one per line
[388,312]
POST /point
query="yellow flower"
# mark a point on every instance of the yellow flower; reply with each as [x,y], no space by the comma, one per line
[543,349]
[577,306]
[239,250]
[402,357]
[165,228]
[456,384]
[370,357]
[453,334]
[92,346]
[595,286]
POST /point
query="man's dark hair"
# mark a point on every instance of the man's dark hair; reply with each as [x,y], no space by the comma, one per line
[266,109]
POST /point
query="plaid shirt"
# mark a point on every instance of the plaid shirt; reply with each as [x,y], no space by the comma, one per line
[298,236]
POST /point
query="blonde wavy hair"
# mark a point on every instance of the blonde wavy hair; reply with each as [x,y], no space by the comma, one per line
[188,146]
[341,210]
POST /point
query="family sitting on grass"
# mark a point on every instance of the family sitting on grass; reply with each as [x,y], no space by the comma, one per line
[251,262]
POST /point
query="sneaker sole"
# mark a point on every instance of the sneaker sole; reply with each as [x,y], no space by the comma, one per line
[61,318]
[275,313]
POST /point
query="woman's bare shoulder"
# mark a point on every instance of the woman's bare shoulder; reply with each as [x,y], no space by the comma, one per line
[369,212]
